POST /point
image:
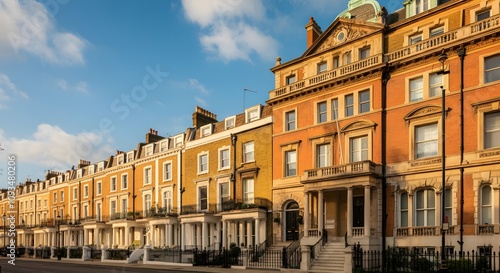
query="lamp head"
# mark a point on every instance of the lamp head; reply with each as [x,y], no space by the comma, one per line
[442,57]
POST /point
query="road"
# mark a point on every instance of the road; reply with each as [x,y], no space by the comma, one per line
[37,266]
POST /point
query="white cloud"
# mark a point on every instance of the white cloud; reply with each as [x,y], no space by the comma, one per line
[81,86]
[195,84]
[50,146]
[200,101]
[27,26]
[229,28]
[7,89]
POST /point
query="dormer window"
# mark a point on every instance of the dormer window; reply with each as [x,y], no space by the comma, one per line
[164,145]
[119,159]
[178,140]
[100,167]
[206,130]
[53,181]
[91,169]
[130,157]
[66,177]
[252,114]
[230,122]
[149,150]
[60,178]
[79,173]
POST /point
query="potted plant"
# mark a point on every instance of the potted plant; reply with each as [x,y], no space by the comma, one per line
[300,219]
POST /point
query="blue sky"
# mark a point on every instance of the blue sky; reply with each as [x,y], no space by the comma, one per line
[80,79]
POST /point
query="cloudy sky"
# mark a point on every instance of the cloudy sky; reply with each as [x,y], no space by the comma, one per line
[80,79]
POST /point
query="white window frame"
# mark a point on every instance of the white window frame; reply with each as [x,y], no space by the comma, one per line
[290,163]
[230,122]
[290,124]
[113,184]
[404,212]
[248,194]
[85,191]
[323,157]
[419,91]
[167,199]
[167,174]
[147,179]
[91,169]
[130,157]
[98,188]
[200,185]
[248,155]
[200,164]
[164,145]
[206,130]
[178,140]
[436,140]
[334,108]
[100,166]
[124,175]
[113,209]
[62,196]
[320,113]
[147,204]
[221,160]
[348,106]
[322,67]
[362,103]
[124,209]
[426,207]
[483,206]
[252,113]
[493,131]
[75,193]
[54,197]
[436,31]
[364,53]
[119,159]
[149,150]
[361,149]
[222,198]
[79,173]
[496,69]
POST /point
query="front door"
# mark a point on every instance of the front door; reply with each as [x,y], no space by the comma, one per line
[292,227]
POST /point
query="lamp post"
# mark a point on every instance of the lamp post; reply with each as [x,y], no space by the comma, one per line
[444,225]
[58,237]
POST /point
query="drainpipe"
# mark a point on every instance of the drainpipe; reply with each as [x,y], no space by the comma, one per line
[461,54]
[234,138]
[386,76]
[133,190]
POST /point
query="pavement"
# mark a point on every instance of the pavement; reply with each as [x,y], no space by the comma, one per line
[178,268]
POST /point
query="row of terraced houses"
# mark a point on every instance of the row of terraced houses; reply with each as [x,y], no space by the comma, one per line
[349,147]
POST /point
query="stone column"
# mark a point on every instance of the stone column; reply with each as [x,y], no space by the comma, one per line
[242,233]
[349,211]
[320,212]
[257,232]
[204,235]
[306,214]
[127,236]
[183,236]
[437,201]
[410,210]
[224,234]
[113,237]
[249,233]
[367,211]
[171,235]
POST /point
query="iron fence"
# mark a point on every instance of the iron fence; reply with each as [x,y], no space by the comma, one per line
[406,260]
[75,253]
[95,254]
[118,254]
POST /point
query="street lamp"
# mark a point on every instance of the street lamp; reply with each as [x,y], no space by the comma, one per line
[444,225]
[58,237]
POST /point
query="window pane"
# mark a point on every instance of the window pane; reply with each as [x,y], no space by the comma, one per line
[358,149]
[426,141]
[431,218]
[336,62]
[486,196]
[404,201]
[290,79]
[482,15]
[291,163]
[323,155]
[435,83]
[437,31]
[364,101]
[492,68]
[416,89]
[404,218]
[321,67]
[290,120]
[349,105]
[492,130]
[321,112]
[335,109]
[364,53]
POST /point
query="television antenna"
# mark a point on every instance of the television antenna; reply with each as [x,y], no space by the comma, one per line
[245,90]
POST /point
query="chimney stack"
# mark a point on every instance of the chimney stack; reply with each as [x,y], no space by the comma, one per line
[152,136]
[313,31]
[203,117]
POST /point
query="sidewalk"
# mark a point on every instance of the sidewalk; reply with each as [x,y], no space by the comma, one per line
[179,268]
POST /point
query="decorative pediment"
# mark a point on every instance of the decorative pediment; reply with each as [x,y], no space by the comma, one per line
[359,124]
[340,32]
[424,112]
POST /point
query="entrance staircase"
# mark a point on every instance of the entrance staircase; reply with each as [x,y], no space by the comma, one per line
[331,259]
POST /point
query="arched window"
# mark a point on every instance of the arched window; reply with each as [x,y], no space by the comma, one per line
[486,205]
[403,208]
[425,208]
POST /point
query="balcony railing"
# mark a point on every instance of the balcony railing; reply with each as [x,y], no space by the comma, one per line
[324,77]
[240,204]
[157,212]
[362,167]
[437,42]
